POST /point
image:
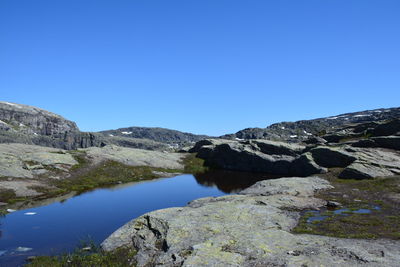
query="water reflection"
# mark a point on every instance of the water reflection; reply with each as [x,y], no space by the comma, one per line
[231,181]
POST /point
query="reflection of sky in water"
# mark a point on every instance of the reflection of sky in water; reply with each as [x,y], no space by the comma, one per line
[344,212]
[59,226]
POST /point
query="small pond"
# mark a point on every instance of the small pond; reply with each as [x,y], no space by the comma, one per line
[59,227]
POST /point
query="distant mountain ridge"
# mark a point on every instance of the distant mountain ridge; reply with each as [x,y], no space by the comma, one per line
[301,130]
[157,134]
[31,125]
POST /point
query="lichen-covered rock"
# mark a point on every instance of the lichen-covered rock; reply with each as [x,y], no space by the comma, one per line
[251,229]
[371,163]
[23,161]
[136,157]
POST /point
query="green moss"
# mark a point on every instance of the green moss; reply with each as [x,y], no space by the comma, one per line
[193,164]
[119,258]
[382,222]
[6,195]
[80,157]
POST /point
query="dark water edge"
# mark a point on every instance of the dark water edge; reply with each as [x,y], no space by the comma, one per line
[59,227]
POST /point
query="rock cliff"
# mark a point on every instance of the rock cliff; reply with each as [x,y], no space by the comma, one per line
[35,126]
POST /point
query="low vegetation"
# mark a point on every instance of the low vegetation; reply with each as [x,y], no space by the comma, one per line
[193,164]
[91,256]
[379,197]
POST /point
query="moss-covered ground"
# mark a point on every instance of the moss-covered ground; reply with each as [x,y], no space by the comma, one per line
[381,197]
[95,257]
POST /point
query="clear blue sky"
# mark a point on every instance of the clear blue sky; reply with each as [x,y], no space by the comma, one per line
[203,66]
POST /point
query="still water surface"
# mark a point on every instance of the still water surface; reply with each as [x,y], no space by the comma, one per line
[59,227]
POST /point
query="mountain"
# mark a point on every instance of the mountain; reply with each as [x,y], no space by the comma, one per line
[156,134]
[31,125]
[304,129]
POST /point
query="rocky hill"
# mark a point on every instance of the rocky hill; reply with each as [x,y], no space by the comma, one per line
[31,125]
[156,134]
[302,130]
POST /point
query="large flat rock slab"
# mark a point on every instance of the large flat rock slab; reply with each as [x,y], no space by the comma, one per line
[26,161]
[136,157]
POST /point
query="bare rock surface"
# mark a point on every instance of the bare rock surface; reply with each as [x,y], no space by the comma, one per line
[26,161]
[250,229]
[23,188]
[136,157]
[371,163]
[257,156]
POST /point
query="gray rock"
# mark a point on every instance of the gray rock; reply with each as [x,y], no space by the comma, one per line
[385,129]
[302,130]
[391,142]
[332,156]
[315,140]
[372,163]
[23,161]
[136,157]
[333,204]
[257,156]
[246,230]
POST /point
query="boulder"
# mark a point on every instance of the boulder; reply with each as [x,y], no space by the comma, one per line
[277,148]
[315,140]
[257,156]
[371,163]
[364,170]
[385,129]
[331,156]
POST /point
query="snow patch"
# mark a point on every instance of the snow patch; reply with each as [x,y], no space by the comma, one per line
[293,136]
[111,135]
[332,118]
[360,115]
[126,132]
[283,128]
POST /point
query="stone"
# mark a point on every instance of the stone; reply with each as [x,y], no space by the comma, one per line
[315,140]
[332,156]
[372,163]
[333,204]
[257,156]
[237,230]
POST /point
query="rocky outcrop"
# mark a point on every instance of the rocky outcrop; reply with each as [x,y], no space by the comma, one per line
[285,159]
[391,142]
[302,130]
[35,121]
[332,156]
[135,157]
[157,134]
[257,156]
[372,163]
[250,229]
[28,161]
[30,125]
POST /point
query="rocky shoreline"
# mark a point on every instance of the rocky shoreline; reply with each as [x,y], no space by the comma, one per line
[252,228]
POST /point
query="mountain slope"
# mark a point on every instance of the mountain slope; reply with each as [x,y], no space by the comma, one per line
[31,125]
[303,129]
[156,134]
